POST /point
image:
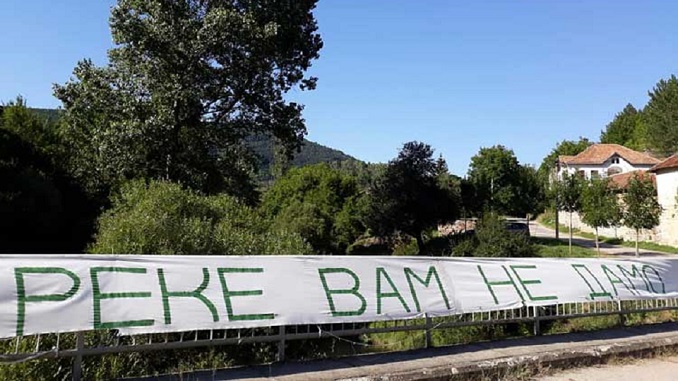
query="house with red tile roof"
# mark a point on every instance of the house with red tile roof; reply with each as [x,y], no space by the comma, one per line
[603,160]
[620,165]
[664,175]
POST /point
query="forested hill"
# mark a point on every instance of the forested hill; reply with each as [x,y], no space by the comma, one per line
[311,153]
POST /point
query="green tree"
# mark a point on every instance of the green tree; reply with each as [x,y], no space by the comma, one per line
[408,197]
[319,203]
[40,132]
[622,129]
[641,208]
[501,184]
[164,218]
[564,148]
[599,206]
[661,116]
[42,208]
[186,83]
[568,192]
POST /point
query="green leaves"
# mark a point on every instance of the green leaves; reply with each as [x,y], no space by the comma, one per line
[187,82]
[568,192]
[641,208]
[320,204]
[599,206]
[661,115]
[164,218]
[624,129]
[408,197]
[501,184]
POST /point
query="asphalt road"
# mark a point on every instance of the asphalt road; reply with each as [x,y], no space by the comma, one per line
[657,369]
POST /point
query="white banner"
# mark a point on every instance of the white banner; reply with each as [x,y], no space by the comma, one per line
[148,294]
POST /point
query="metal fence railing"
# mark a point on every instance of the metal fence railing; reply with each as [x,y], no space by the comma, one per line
[74,345]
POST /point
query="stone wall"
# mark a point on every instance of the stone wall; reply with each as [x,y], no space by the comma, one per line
[614,232]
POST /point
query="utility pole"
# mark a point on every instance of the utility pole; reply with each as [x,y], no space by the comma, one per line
[556,199]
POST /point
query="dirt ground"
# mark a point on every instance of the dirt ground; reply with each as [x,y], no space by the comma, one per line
[657,369]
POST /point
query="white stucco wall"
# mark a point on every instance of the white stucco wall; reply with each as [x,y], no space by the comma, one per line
[623,165]
[665,233]
[614,232]
[667,189]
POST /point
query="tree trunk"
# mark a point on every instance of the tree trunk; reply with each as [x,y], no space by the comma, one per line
[570,241]
[597,245]
[420,244]
[637,238]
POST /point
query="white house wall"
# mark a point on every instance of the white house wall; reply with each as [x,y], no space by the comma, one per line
[623,165]
[613,232]
[667,189]
[665,233]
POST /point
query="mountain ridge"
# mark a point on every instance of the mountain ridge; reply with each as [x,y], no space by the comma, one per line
[263,147]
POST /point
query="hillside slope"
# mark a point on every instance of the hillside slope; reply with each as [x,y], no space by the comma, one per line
[263,147]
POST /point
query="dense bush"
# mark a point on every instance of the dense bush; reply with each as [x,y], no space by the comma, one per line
[319,203]
[164,218]
[43,209]
[492,239]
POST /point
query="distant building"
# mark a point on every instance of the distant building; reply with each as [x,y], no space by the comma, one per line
[603,160]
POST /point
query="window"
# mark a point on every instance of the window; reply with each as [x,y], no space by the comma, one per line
[581,173]
[595,175]
[615,160]
[613,171]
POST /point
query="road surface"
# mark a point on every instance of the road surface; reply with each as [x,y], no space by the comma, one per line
[657,369]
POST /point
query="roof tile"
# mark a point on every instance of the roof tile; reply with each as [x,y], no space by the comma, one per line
[671,162]
[599,153]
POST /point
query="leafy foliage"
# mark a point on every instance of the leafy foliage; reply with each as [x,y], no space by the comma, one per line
[661,116]
[564,148]
[42,208]
[492,239]
[567,192]
[641,208]
[319,203]
[164,218]
[625,129]
[501,184]
[408,197]
[599,205]
[187,82]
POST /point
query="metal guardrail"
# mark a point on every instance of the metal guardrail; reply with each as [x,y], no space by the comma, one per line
[73,345]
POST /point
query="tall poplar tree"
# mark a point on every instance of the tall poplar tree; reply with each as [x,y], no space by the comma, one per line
[186,82]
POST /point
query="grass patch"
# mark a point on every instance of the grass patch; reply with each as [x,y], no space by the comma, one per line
[651,246]
[555,248]
[548,221]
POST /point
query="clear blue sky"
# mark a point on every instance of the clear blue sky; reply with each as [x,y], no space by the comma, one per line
[457,75]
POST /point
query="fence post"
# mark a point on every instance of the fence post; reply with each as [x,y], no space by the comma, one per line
[622,317]
[77,361]
[428,343]
[281,343]
[536,329]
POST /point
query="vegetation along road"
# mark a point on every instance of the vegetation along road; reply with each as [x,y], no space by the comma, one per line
[541,231]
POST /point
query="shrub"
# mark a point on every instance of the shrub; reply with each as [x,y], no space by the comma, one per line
[319,203]
[164,218]
[492,239]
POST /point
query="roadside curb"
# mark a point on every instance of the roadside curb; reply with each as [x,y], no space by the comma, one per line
[530,364]
[510,359]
